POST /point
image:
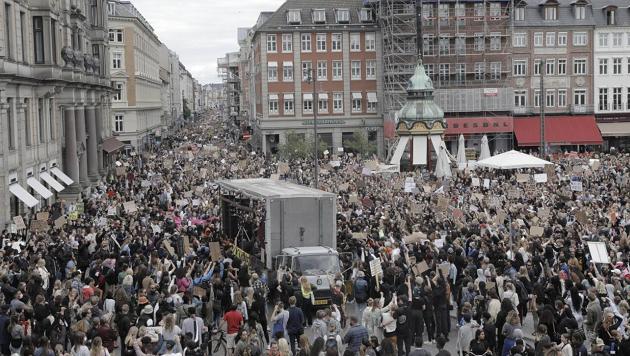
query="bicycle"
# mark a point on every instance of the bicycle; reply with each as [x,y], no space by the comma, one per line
[220,348]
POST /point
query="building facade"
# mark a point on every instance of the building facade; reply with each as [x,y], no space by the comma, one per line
[54,103]
[135,72]
[552,71]
[611,68]
[338,46]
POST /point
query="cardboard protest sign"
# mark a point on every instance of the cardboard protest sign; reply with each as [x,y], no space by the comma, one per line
[522,178]
[514,194]
[130,207]
[540,178]
[199,190]
[19,222]
[60,222]
[353,198]
[199,292]
[376,269]
[111,211]
[274,177]
[543,213]
[415,237]
[168,247]
[186,243]
[475,182]
[536,231]
[420,268]
[598,252]
[442,203]
[500,218]
[42,215]
[581,217]
[215,251]
[359,235]
[39,225]
[283,168]
[372,165]
[343,187]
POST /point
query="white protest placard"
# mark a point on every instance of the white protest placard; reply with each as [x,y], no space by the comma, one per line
[375,267]
[576,184]
[486,183]
[335,163]
[598,252]
[111,211]
[130,207]
[475,182]
[366,171]
[19,222]
[540,178]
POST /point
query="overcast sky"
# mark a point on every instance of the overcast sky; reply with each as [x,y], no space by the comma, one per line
[200,31]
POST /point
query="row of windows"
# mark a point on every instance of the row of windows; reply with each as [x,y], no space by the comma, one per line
[45,122]
[550,39]
[342,16]
[323,42]
[551,13]
[459,45]
[323,103]
[459,70]
[612,99]
[553,98]
[614,39]
[459,10]
[552,66]
[612,65]
[356,72]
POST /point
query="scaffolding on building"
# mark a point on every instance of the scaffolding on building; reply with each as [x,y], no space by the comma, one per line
[466,48]
[228,68]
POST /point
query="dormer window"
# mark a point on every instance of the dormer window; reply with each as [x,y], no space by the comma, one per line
[580,12]
[611,18]
[519,14]
[294,17]
[366,15]
[551,13]
[343,16]
[319,16]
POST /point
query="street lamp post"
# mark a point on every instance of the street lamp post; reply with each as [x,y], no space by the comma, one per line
[313,79]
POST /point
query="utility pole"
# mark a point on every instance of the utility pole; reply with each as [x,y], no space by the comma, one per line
[313,75]
[542,114]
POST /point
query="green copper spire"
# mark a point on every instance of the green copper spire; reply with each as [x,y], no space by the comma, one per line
[420,106]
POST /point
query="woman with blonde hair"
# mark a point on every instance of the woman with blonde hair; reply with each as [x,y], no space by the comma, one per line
[283,347]
[97,348]
[129,341]
[372,315]
[171,332]
[241,305]
[308,299]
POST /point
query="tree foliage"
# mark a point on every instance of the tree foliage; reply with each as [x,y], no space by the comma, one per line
[297,146]
[360,144]
[186,109]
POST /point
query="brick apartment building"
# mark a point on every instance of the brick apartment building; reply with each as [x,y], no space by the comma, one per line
[339,43]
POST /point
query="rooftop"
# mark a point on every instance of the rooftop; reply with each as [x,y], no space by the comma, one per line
[268,188]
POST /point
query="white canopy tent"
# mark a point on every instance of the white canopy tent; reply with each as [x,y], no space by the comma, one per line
[512,160]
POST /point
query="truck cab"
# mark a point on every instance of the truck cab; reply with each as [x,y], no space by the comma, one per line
[318,264]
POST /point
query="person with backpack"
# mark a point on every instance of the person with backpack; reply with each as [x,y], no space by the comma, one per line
[295,323]
[360,290]
[333,341]
[355,335]
[418,305]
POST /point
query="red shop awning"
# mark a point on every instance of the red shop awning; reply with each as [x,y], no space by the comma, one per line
[478,125]
[559,130]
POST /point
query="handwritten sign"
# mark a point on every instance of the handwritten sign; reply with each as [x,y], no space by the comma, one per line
[39,225]
[60,222]
[376,269]
[130,207]
[43,215]
[536,231]
[19,222]
[522,178]
[215,251]
[540,178]
[598,252]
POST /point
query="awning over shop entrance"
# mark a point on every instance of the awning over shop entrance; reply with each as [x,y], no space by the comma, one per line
[23,195]
[559,130]
[614,129]
[112,144]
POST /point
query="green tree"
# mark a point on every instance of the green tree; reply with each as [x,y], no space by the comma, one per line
[359,143]
[297,146]
[186,109]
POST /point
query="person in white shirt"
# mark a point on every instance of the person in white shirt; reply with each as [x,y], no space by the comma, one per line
[193,325]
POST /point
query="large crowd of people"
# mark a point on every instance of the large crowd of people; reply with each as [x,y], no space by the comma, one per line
[484,263]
